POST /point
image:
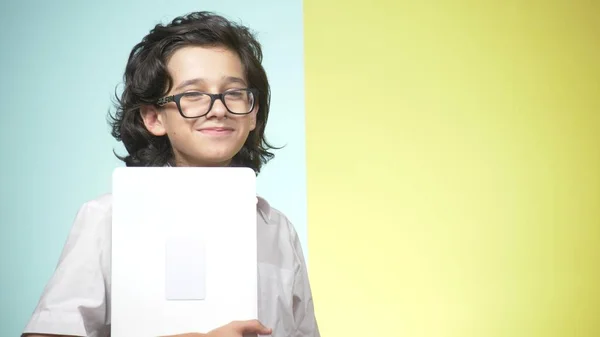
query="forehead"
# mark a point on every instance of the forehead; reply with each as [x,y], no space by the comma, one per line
[212,64]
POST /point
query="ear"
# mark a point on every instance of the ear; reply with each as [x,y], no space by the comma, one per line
[153,120]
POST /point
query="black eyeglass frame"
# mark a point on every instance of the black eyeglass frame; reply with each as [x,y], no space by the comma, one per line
[213,97]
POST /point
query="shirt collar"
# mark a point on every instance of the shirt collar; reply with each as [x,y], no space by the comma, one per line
[263,208]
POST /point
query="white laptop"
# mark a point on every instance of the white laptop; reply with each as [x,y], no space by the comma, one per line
[184,255]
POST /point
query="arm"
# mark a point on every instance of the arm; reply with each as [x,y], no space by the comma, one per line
[75,299]
[233,329]
[303,308]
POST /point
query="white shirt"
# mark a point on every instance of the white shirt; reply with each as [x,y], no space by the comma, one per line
[76,300]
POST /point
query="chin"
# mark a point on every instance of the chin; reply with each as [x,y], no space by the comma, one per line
[218,159]
[211,153]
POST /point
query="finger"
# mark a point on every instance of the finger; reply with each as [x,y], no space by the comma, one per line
[252,326]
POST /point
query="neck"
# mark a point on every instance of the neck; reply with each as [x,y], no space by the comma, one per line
[181,161]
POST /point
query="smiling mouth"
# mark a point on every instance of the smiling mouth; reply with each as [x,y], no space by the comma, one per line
[216,131]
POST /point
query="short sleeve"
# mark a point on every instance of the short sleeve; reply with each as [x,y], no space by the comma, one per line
[303,307]
[75,299]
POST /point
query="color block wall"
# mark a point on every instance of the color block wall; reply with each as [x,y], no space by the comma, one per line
[61,62]
[453,167]
[450,157]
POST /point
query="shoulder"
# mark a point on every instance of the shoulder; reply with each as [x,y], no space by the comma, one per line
[97,209]
[94,218]
[272,216]
[101,203]
[90,234]
[282,225]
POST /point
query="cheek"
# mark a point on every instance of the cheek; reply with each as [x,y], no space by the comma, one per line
[177,126]
[251,121]
[249,125]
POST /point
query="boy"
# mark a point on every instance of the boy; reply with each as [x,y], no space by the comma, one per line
[195,94]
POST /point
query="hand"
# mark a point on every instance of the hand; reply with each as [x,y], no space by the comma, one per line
[233,329]
[240,329]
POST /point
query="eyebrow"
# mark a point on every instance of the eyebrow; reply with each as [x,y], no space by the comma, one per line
[226,79]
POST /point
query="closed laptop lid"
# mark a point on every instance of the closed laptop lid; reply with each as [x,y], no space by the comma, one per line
[184,255]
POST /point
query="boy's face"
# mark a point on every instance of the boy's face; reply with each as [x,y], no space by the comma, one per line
[213,139]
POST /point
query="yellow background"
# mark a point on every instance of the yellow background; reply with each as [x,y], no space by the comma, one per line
[454,167]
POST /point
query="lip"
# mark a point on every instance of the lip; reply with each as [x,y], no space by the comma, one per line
[216,130]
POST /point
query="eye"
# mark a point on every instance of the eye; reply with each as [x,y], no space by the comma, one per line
[195,96]
[235,95]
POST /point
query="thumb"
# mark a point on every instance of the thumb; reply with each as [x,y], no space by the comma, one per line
[252,326]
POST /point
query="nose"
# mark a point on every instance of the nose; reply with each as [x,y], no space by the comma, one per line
[218,110]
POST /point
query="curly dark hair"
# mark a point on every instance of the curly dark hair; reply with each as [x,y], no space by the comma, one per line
[147,79]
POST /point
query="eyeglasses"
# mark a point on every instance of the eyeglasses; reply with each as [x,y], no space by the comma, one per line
[194,104]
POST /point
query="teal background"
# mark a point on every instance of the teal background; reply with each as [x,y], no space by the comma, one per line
[60,63]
